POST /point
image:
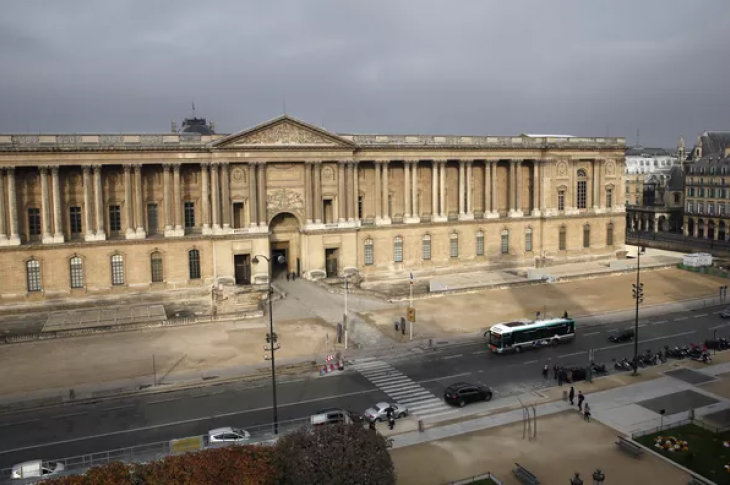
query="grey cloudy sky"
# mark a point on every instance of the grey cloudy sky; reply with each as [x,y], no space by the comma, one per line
[392,66]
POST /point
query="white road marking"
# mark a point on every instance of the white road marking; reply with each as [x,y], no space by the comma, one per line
[660,322]
[126,406]
[530,362]
[680,319]
[591,333]
[16,423]
[480,352]
[631,344]
[62,416]
[452,356]
[164,400]
[700,316]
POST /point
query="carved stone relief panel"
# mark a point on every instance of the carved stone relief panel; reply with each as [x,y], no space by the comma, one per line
[283,172]
[285,134]
[562,171]
[239,176]
[284,200]
[328,174]
[189,176]
[610,168]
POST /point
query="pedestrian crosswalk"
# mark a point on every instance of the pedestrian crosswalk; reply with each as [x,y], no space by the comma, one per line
[402,389]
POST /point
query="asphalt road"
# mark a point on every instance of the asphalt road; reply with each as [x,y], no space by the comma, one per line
[78,429]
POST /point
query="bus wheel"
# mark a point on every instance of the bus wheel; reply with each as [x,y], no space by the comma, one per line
[518,349]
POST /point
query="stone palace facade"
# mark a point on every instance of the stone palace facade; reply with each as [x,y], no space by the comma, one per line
[92,214]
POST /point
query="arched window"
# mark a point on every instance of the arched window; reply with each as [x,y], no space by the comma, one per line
[609,234]
[156,267]
[582,189]
[528,239]
[76,267]
[33,275]
[587,236]
[117,269]
[398,249]
[480,243]
[609,197]
[563,239]
[505,241]
[369,256]
[194,264]
[427,247]
[454,245]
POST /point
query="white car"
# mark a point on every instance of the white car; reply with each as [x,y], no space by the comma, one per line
[379,412]
[36,469]
[228,435]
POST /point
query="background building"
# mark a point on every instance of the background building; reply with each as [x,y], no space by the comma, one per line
[646,170]
[90,214]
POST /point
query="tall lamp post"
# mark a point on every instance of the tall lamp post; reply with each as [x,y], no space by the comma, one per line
[638,293]
[346,318]
[271,337]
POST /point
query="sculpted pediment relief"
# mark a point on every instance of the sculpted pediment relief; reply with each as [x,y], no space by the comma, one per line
[283,131]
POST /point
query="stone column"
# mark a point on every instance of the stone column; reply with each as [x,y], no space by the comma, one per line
[252,196]
[99,204]
[573,188]
[128,218]
[351,192]
[177,200]
[378,192]
[261,179]
[469,195]
[139,202]
[341,193]
[511,189]
[536,188]
[3,225]
[434,189]
[205,198]
[415,210]
[493,192]
[406,191]
[462,170]
[356,192]
[386,193]
[167,200]
[442,191]
[47,235]
[487,202]
[57,208]
[225,203]
[596,185]
[13,206]
[518,188]
[317,192]
[88,230]
[308,191]
[215,199]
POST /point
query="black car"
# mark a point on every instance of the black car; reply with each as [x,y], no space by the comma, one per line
[621,336]
[462,393]
[334,412]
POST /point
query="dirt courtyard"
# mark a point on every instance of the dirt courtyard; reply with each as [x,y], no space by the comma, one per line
[66,363]
[565,445]
[479,311]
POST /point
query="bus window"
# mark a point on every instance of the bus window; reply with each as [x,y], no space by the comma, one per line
[495,339]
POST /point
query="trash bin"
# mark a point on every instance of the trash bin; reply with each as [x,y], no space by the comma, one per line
[421,426]
[565,396]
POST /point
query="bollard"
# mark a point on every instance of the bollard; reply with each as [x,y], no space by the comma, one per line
[72,394]
[565,395]
[421,427]
[430,343]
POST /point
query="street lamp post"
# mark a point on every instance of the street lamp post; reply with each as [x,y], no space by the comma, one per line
[271,337]
[638,293]
[345,319]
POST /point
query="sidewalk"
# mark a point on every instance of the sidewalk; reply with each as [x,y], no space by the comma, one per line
[565,443]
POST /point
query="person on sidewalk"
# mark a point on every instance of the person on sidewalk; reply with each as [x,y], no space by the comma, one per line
[545,372]
[587,413]
[288,276]
[571,395]
[391,419]
[371,425]
[581,398]
[560,377]
[555,371]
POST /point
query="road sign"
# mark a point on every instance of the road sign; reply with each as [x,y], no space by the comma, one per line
[410,279]
[411,314]
[184,445]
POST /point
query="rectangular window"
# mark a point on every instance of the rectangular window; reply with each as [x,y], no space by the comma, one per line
[238,215]
[152,219]
[480,244]
[398,250]
[74,219]
[700,208]
[369,260]
[454,246]
[117,270]
[328,211]
[582,193]
[528,240]
[505,242]
[609,235]
[586,237]
[690,207]
[194,264]
[609,198]
[562,240]
[711,208]
[115,218]
[189,212]
[33,275]
[561,200]
[427,248]
[721,209]
[691,191]
[77,272]
[156,268]
[360,204]
[34,221]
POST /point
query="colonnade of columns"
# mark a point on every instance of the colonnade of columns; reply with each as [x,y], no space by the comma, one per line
[348,191]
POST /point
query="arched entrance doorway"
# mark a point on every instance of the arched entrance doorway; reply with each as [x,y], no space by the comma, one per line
[285,241]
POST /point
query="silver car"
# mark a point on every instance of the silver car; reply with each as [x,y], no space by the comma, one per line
[36,469]
[725,313]
[379,412]
[228,435]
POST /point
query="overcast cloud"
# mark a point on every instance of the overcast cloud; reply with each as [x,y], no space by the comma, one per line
[500,67]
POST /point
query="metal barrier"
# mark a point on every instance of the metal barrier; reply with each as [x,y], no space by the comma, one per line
[260,434]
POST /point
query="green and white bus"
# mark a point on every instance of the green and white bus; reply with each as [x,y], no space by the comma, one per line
[523,335]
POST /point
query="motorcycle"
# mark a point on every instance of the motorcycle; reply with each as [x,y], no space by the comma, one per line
[598,368]
[704,358]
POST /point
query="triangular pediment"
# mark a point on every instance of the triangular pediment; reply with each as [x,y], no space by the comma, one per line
[283,132]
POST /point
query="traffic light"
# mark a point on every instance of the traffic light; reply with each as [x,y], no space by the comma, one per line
[411,314]
[638,292]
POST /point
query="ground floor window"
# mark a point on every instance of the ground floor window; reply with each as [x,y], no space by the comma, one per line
[454,245]
[33,275]
[156,267]
[194,264]
[505,241]
[117,269]
[369,259]
[427,247]
[563,239]
[609,234]
[76,267]
[398,250]
[586,236]
[480,243]
[528,239]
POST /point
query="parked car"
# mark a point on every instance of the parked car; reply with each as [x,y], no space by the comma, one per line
[228,435]
[725,313]
[36,469]
[331,416]
[379,412]
[356,417]
[463,393]
[621,336]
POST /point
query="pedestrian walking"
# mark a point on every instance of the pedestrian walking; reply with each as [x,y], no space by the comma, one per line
[288,276]
[372,425]
[569,377]
[571,395]
[560,377]
[545,372]
[555,371]
[391,419]
[587,413]
[293,276]
[581,398]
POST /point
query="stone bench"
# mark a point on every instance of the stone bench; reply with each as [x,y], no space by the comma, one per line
[524,475]
[629,447]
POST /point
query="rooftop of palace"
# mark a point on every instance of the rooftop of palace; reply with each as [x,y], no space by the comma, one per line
[202,142]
